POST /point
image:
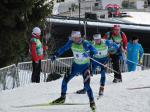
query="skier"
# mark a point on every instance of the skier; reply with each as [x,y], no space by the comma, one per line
[102,57]
[119,38]
[134,53]
[37,53]
[81,50]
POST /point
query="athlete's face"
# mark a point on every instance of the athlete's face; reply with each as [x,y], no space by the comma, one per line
[116,30]
[76,39]
[97,41]
[135,41]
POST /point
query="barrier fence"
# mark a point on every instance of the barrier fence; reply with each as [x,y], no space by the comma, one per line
[18,75]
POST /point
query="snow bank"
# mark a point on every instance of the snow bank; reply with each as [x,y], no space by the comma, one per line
[117,97]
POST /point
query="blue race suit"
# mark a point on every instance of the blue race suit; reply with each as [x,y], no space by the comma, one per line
[80,64]
[102,57]
[134,55]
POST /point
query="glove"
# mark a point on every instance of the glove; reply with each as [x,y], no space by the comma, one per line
[85,54]
[91,53]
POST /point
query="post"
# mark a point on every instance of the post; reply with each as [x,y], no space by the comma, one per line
[79,14]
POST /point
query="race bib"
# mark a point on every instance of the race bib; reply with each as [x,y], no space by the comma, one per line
[80,58]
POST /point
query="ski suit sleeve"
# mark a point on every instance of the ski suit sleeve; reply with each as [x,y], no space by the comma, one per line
[141,52]
[89,47]
[66,47]
[124,40]
[109,43]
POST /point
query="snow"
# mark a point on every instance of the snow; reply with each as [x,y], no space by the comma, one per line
[138,17]
[117,98]
[104,24]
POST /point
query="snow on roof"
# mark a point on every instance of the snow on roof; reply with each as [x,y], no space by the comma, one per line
[138,17]
[102,24]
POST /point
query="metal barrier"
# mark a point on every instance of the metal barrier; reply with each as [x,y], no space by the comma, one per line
[60,66]
[146,61]
[8,77]
[14,76]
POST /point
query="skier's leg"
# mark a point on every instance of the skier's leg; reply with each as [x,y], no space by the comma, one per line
[103,77]
[86,77]
[65,81]
[116,67]
[102,81]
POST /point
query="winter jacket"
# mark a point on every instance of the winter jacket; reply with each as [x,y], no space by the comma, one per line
[36,49]
[134,52]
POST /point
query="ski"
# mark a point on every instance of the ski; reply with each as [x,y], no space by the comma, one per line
[144,87]
[49,104]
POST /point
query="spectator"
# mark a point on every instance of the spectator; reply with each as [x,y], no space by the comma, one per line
[134,53]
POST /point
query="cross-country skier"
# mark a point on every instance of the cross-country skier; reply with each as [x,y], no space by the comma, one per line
[102,57]
[134,53]
[118,37]
[81,51]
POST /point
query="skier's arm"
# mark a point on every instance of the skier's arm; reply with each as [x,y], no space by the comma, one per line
[90,48]
[141,52]
[109,42]
[66,47]
[125,41]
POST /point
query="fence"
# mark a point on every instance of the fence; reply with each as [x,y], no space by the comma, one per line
[8,77]
[13,76]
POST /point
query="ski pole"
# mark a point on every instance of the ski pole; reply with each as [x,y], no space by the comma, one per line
[104,65]
[61,62]
[137,64]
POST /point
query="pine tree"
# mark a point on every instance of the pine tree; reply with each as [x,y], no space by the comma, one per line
[17,18]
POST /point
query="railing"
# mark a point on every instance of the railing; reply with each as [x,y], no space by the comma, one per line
[60,66]
[8,77]
[13,76]
[146,61]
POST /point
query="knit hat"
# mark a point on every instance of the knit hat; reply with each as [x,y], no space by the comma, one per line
[36,30]
[97,36]
[76,34]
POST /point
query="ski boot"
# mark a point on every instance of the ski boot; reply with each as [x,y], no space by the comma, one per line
[117,80]
[60,100]
[101,91]
[93,106]
[82,91]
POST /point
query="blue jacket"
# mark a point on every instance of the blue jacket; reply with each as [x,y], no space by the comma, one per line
[134,52]
[113,48]
[87,46]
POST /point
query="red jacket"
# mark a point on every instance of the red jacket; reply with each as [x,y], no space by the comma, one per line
[34,52]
